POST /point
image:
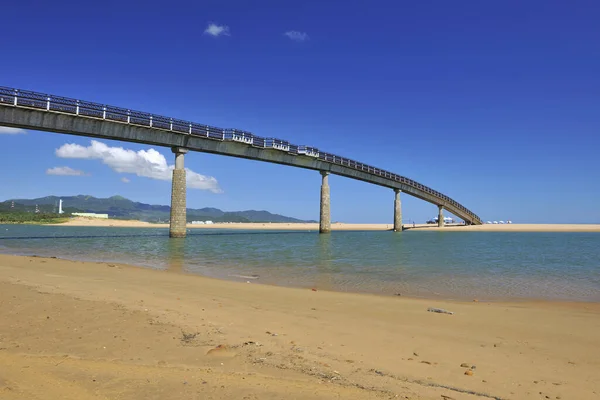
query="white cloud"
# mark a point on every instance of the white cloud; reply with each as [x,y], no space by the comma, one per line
[217,30]
[64,171]
[125,180]
[297,36]
[147,163]
[5,130]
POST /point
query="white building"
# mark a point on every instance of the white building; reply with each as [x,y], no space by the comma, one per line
[91,215]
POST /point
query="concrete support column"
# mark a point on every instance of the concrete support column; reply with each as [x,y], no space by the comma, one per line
[177,227]
[325,221]
[441,216]
[397,211]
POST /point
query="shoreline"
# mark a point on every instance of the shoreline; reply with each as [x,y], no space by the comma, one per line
[91,222]
[104,326]
[238,278]
[243,280]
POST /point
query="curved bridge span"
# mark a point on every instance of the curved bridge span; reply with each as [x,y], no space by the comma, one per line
[38,111]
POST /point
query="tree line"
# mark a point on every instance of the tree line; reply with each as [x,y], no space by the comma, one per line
[29,217]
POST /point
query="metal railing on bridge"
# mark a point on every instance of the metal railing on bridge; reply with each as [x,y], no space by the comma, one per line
[24,98]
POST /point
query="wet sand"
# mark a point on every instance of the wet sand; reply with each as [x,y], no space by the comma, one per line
[343,226]
[82,330]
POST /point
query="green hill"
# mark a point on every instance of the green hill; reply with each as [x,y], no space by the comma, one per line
[119,207]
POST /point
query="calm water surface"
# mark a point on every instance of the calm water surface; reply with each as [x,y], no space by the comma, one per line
[461,265]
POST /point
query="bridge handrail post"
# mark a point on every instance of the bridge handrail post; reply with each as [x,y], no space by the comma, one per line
[15,102]
[128,116]
[48,104]
[190,132]
[77,108]
[151,121]
[104,112]
[171,124]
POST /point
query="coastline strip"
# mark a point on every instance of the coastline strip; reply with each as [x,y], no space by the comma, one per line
[337,226]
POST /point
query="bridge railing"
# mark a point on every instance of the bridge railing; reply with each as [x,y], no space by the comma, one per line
[24,98]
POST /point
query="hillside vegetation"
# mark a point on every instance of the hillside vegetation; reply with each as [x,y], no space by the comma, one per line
[118,207]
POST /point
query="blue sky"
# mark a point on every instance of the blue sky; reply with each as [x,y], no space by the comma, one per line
[494,104]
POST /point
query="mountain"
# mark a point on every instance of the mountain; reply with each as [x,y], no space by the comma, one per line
[121,208]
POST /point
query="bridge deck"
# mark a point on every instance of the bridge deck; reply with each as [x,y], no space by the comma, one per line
[37,111]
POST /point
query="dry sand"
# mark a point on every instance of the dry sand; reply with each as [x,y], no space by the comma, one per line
[75,330]
[83,221]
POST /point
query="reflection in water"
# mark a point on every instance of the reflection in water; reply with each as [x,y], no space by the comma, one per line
[399,251]
[324,265]
[176,255]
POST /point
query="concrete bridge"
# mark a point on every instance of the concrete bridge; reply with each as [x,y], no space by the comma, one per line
[43,112]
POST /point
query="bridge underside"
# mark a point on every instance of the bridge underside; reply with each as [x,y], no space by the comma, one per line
[42,120]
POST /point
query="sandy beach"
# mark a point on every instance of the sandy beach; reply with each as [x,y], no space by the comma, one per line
[79,221]
[82,330]
[82,221]
[512,228]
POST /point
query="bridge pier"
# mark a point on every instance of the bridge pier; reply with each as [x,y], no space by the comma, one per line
[441,216]
[325,215]
[177,226]
[397,211]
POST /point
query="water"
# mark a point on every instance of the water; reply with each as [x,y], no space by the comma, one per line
[451,265]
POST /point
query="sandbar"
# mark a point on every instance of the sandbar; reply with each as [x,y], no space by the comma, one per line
[340,226]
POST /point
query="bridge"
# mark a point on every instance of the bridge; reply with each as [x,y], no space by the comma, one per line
[43,112]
